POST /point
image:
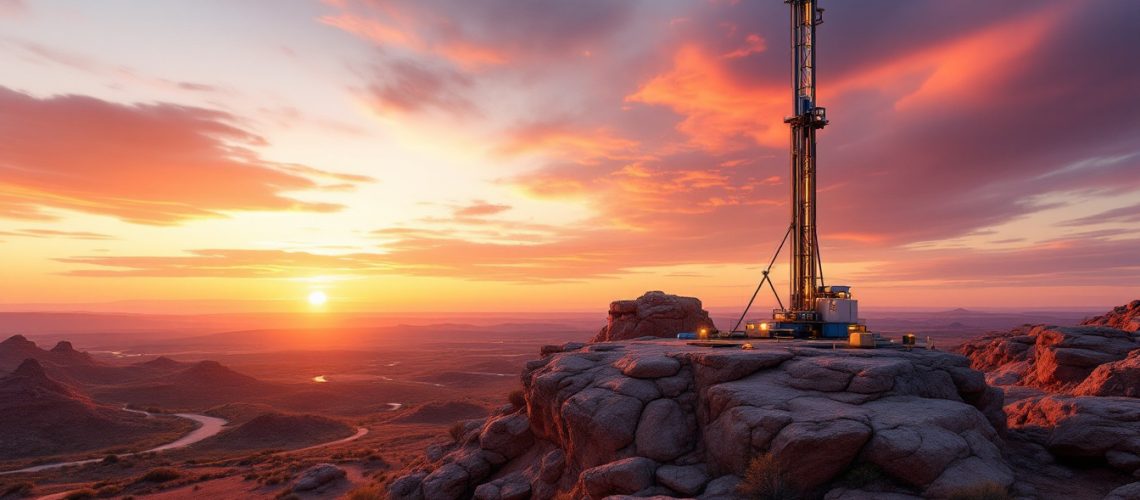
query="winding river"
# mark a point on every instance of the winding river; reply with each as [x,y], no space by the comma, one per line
[207,427]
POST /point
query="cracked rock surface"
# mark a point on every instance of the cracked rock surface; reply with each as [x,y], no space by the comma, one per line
[662,418]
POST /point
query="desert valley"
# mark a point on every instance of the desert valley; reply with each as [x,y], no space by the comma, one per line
[271,407]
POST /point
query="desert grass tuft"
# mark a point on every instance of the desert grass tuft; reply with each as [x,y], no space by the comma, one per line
[765,479]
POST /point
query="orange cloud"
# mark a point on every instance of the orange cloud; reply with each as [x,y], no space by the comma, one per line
[148,164]
[553,185]
[401,33]
[753,44]
[228,263]
[568,141]
[722,112]
[480,209]
[51,233]
[719,112]
[958,71]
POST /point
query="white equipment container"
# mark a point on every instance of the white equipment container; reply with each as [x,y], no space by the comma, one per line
[837,310]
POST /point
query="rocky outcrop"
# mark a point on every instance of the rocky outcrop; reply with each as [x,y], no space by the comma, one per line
[1119,378]
[1052,358]
[1125,317]
[1091,429]
[1070,393]
[317,477]
[655,314]
[663,418]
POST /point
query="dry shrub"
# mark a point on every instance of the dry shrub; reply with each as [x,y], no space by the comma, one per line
[456,431]
[765,479]
[160,475]
[517,398]
[987,491]
[370,492]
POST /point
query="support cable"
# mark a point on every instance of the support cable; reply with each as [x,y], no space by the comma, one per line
[818,257]
[765,278]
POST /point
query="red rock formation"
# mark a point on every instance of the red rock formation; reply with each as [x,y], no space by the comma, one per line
[1119,378]
[1048,357]
[655,314]
[1085,427]
[1126,317]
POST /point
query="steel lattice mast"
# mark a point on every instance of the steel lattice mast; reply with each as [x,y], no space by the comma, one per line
[814,310]
[807,119]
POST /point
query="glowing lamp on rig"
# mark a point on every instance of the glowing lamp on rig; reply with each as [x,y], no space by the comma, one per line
[703,332]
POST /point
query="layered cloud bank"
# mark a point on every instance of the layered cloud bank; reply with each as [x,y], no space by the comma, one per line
[596,143]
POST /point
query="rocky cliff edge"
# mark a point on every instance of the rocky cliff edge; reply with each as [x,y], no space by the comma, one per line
[658,417]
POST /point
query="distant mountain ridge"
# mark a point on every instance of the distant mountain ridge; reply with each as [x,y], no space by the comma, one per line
[42,416]
[161,382]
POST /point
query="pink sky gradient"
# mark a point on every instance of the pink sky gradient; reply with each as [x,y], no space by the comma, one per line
[504,155]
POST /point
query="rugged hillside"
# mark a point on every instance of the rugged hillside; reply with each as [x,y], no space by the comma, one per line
[198,385]
[17,348]
[274,430]
[665,418]
[65,363]
[209,373]
[42,416]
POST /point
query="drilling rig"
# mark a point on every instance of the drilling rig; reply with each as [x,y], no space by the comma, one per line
[814,310]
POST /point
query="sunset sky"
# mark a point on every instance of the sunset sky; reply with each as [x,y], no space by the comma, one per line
[506,155]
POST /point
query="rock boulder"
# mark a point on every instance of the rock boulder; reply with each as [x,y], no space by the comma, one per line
[1118,378]
[655,314]
[318,476]
[1082,427]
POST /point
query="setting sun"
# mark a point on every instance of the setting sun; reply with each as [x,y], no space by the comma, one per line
[318,298]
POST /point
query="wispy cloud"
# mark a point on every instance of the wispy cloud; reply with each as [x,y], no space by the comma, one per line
[148,163]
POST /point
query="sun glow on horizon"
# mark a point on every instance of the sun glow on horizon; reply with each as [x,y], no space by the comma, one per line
[318,298]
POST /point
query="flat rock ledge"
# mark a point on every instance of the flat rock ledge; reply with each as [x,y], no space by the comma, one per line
[667,420]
